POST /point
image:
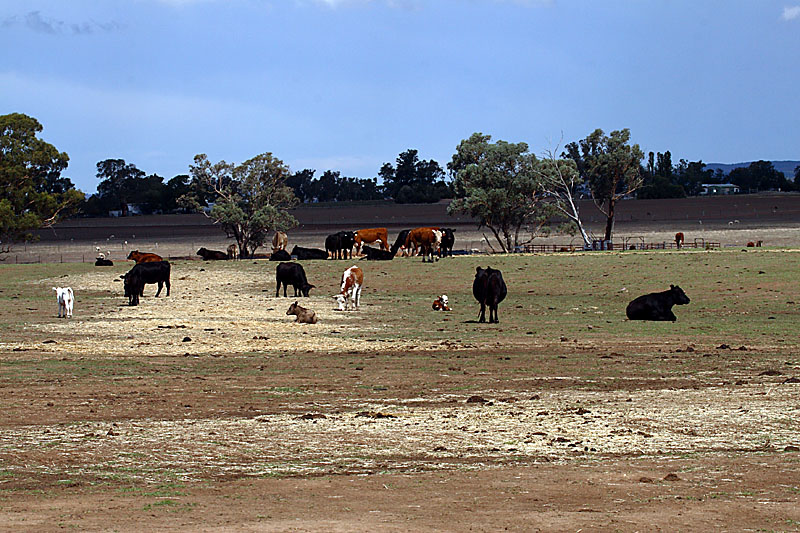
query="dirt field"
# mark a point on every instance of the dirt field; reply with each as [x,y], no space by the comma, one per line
[210,410]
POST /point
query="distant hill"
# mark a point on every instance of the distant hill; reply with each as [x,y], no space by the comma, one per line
[787,167]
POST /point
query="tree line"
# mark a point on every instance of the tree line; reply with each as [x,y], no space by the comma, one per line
[506,188]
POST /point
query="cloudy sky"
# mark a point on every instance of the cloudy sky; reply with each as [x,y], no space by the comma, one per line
[349,84]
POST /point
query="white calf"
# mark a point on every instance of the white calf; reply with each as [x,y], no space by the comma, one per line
[65,301]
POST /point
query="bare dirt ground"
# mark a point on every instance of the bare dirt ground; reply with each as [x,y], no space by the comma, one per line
[209,410]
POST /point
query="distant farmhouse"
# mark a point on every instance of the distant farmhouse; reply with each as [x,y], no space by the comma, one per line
[718,188]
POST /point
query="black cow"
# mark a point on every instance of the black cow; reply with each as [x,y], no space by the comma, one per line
[142,273]
[376,254]
[294,275]
[309,253]
[657,305]
[401,241]
[211,255]
[100,262]
[280,255]
[489,289]
[342,241]
[448,240]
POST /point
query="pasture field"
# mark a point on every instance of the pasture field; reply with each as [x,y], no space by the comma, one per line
[211,410]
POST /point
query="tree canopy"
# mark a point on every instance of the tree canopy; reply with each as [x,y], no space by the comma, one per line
[250,200]
[413,180]
[611,168]
[497,184]
[33,194]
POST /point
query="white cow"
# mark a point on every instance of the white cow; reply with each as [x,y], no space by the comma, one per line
[66,301]
[350,295]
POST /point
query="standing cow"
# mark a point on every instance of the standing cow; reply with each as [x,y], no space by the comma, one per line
[350,294]
[400,243]
[143,273]
[428,239]
[370,235]
[679,240]
[340,243]
[489,289]
[657,305]
[294,275]
[279,241]
[448,240]
[66,301]
[144,257]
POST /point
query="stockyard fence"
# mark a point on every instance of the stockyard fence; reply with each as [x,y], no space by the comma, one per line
[71,254]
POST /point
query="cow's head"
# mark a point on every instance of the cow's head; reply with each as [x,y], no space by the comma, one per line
[341,299]
[678,295]
[305,288]
[292,309]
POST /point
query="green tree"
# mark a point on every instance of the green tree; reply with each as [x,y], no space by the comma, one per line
[118,182]
[414,180]
[251,199]
[497,184]
[32,192]
[611,168]
[691,175]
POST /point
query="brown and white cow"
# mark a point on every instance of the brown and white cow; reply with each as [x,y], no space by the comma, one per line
[141,257]
[427,239]
[279,241]
[350,294]
[679,240]
[370,235]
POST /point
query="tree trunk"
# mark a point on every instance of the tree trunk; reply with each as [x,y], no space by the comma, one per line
[610,219]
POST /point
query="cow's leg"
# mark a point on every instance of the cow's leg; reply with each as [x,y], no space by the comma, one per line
[277,288]
[160,286]
[358,296]
[493,314]
[483,313]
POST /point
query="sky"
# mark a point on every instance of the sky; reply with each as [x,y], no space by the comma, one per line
[347,85]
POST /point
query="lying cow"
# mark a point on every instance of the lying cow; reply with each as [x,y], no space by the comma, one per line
[657,305]
[101,262]
[280,255]
[304,316]
[309,253]
[350,294]
[489,289]
[144,257]
[374,254]
[440,303]
[66,300]
[212,255]
[339,244]
[294,275]
[144,273]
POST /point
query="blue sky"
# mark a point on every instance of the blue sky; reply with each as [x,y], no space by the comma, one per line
[349,84]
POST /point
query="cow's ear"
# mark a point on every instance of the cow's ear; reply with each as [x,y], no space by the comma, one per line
[477,269]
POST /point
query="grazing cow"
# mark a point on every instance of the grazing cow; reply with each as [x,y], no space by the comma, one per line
[233,251]
[370,235]
[751,244]
[101,262]
[400,243]
[66,300]
[679,240]
[448,240]
[143,257]
[340,243]
[374,254]
[294,275]
[143,273]
[279,241]
[304,316]
[280,255]
[440,303]
[489,289]
[428,239]
[309,253]
[657,305]
[211,255]
[350,294]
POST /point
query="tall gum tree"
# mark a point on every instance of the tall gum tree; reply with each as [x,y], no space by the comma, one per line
[496,183]
[33,194]
[250,200]
[610,166]
[560,179]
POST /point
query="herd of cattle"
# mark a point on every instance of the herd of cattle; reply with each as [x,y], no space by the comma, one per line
[488,287]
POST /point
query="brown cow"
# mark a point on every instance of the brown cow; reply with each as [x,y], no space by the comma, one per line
[428,239]
[140,257]
[679,240]
[370,235]
[279,241]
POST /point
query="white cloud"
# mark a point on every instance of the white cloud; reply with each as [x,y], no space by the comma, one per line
[790,12]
